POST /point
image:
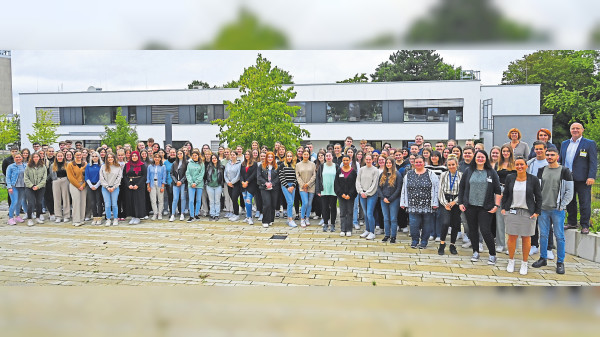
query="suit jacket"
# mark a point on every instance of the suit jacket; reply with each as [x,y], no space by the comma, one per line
[584,167]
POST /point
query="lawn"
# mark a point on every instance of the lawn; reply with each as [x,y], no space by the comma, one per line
[3,194]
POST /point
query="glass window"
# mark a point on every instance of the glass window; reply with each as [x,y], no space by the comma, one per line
[132,115]
[361,111]
[91,144]
[432,114]
[99,115]
[218,112]
[202,113]
[301,113]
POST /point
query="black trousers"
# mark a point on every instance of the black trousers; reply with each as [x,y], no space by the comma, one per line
[583,194]
[450,219]
[346,214]
[34,199]
[329,203]
[480,220]
[269,198]
[234,193]
[317,205]
[402,217]
[169,196]
[259,202]
[48,197]
[97,200]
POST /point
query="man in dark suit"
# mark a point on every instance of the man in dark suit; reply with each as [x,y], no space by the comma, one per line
[580,156]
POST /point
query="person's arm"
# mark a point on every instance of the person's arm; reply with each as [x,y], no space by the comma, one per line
[567,179]
[44,178]
[163,169]
[172,173]
[373,186]
[537,192]
[593,167]
[8,174]
[404,194]
[313,177]
[236,177]
[435,184]
[301,182]
[509,184]
[441,196]
[352,177]
[397,189]
[26,178]
[359,187]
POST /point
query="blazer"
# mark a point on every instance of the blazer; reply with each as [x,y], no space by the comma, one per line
[492,188]
[250,177]
[533,195]
[343,185]
[584,167]
[263,175]
[178,174]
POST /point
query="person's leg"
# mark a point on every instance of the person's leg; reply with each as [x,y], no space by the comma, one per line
[316,206]
[485,222]
[584,194]
[385,210]
[343,214]
[394,205]
[572,207]
[161,201]
[445,223]
[371,202]
[311,196]
[512,246]
[228,199]
[175,199]
[427,227]
[297,201]
[363,206]
[248,203]
[114,197]
[205,201]
[235,197]
[544,223]
[48,198]
[154,200]
[266,206]
[526,240]
[500,229]
[454,223]
[289,201]
[333,209]
[198,196]
[30,201]
[192,200]
[558,219]
[107,202]
[77,211]
[473,226]
[325,211]
[355,212]
[213,196]
[414,222]
[15,205]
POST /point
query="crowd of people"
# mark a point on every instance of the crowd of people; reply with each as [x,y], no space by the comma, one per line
[428,191]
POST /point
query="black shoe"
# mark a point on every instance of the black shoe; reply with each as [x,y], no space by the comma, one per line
[441,249]
[540,263]
[453,249]
[413,246]
[393,239]
[422,246]
[197,217]
[560,268]
[385,238]
[297,217]
[190,219]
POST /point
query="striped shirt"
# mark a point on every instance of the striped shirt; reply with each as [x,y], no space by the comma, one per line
[287,176]
[447,179]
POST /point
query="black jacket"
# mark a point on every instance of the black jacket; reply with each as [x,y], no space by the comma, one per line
[179,174]
[492,189]
[343,185]
[250,177]
[262,177]
[319,178]
[209,171]
[392,193]
[533,195]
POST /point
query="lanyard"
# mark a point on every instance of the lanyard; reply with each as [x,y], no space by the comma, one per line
[452,180]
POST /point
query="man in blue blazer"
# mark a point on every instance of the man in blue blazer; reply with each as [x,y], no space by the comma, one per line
[580,156]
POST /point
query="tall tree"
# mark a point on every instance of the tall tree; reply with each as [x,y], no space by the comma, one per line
[262,112]
[201,84]
[279,75]
[121,134]
[9,131]
[415,65]
[44,129]
[356,79]
[569,84]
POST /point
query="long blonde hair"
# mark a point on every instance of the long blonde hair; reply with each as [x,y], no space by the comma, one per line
[386,173]
[511,159]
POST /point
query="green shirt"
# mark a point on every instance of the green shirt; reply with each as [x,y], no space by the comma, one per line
[328,179]
[213,180]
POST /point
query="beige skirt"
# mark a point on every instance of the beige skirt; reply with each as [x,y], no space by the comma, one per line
[520,223]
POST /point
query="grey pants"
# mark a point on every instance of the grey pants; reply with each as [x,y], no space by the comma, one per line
[62,201]
[500,231]
[79,203]
[157,200]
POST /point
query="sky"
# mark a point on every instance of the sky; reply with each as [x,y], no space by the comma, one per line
[67,70]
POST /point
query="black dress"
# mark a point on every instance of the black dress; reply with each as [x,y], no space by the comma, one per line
[135,200]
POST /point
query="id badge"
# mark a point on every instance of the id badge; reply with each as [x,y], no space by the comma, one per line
[583,154]
[513,211]
[341,175]
[489,180]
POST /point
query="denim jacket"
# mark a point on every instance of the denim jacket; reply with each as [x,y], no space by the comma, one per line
[161,175]
[12,175]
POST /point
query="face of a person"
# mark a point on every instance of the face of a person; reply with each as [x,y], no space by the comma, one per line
[36,147]
[480,158]
[389,164]
[451,144]
[60,157]
[456,151]
[214,159]
[289,157]
[348,142]
[310,147]
[95,158]
[398,156]
[144,155]
[68,156]
[320,157]
[255,153]
[426,154]
[141,145]
[505,153]
[134,157]
[427,145]
[404,153]
[18,158]
[328,157]
[350,153]
[50,152]
[439,147]
[121,156]
[299,153]
[451,165]
[469,143]
[543,136]
[262,156]
[446,153]
[337,149]
[221,151]
[110,159]
[419,140]
[78,156]
[419,163]
[346,161]
[375,157]
[468,154]
[180,154]
[411,159]
[495,155]
[369,160]
[305,156]
[247,155]
[540,151]
[514,135]
[551,157]
[414,149]
[254,146]
[576,130]
[381,161]
[520,166]
[195,157]
[270,159]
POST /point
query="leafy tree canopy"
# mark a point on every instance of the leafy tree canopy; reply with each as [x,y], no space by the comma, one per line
[9,131]
[415,65]
[44,129]
[262,112]
[356,79]
[201,84]
[121,134]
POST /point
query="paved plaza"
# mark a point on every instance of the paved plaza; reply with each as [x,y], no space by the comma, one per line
[226,253]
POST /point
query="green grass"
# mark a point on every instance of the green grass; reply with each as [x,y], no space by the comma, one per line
[3,194]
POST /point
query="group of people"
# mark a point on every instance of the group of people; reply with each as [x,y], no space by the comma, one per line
[424,190]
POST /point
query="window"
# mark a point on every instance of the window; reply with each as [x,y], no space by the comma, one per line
[361,111]
[132,115]
[218,112]
[91,144]
[301,113]
[99,115]
[432,110]
[159,113]
[202,112]
[487,122]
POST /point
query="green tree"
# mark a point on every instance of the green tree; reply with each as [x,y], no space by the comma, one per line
[568,80]
[121,134]
[356,79]
[201,84]
[9,131]
[44,129]
[414,65]
[248,33]
[469,21]
[262,112]
[277,74]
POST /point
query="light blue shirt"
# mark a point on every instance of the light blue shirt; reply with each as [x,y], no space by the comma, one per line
[571,151]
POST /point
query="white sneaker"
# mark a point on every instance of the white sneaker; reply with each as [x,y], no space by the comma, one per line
[257,214]
[52,218]
[307,222]
[342,233]
[66,220]
[39,220]
[250,222]
[108,223]
[30,222]
[377,230]
[160,217]
[115,222]
[154,217]
[322,222]
[292,224]
[234,218]
[499,249]
[260,217]
[131,221]
[467,244]
[348,233]
[511,266]
[458,236]
[145,218]
[364,235]
[77,224]
[302,223]
[371,236]
[172,218]
[534,250]
[315,217]
[57,220]
[405,230]
[549,255]
[42,217]
[465,238]
[265,225]
[523,270]
[438,239]
[431,238]
[181,217]
[86,219]
[356,226]
[137,221]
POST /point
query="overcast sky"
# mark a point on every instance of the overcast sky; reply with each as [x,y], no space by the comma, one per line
[51,71]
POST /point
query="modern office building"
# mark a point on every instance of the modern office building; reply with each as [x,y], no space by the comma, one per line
[6,103]
[392,112]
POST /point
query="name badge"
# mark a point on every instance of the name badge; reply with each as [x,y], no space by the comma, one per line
[341,175]
[489,180]
[583,154]
[513,211]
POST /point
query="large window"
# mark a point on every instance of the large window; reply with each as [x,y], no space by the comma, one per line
[132,115]
[432,110]
[202,113]
[361,111]
[217,112]
[487,122]
[99,115]
[300,113]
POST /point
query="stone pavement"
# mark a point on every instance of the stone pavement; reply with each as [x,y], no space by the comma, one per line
[225,253]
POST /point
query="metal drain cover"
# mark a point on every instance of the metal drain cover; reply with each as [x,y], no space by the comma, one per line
[278,237]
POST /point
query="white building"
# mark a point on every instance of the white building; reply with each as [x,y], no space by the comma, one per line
[378,112]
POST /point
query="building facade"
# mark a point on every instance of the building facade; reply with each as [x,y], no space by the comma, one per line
[6,101]
[393,112]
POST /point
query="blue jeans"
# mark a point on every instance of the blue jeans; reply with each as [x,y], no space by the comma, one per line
[307,199]
[556,219]
[420,227]
[178,191]
[17,200]
[390,217]
[368,205]
[214,199]
[248,202]
[355,212]
[197,192]
[110,203]
[289,199]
